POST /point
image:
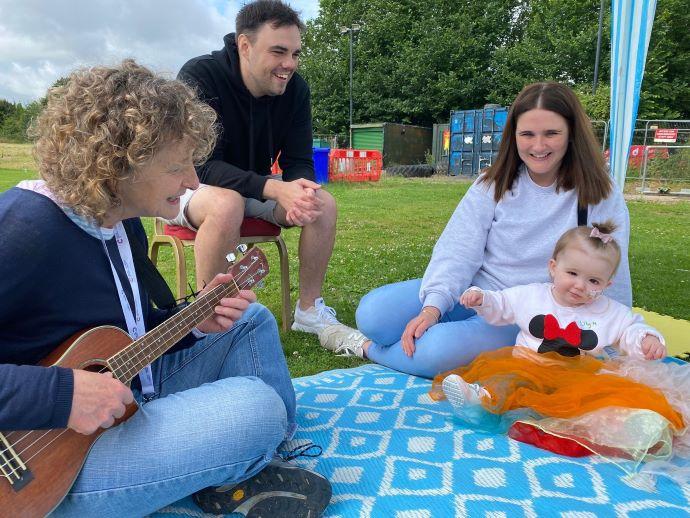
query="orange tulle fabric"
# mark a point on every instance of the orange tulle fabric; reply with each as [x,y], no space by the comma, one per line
[555,386]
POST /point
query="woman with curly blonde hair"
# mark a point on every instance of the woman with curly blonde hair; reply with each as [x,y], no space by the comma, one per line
[112,145]
[105,124]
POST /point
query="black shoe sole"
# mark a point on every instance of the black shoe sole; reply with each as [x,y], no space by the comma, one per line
[312,494]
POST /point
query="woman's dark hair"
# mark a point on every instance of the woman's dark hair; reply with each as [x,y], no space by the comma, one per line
[583,166]
[253,15]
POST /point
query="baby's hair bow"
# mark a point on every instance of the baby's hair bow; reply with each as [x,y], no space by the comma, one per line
[604,237]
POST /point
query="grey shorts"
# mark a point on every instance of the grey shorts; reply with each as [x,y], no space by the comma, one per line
[252,209]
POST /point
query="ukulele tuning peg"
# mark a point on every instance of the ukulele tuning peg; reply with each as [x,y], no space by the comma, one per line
[260,284]
[230,258]
[242,248]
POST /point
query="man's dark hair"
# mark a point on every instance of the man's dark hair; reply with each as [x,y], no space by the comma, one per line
[253,15]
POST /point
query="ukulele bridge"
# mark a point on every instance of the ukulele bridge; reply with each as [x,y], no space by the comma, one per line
[12,467]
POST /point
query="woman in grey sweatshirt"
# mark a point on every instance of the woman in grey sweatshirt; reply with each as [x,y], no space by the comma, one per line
[549,176]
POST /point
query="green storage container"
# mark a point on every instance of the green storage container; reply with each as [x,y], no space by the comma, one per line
[398,143]
[367,136]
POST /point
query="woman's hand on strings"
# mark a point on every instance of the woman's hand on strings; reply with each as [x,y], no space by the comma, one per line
[97,400]
[228,310]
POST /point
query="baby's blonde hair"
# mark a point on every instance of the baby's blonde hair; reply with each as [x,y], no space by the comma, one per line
[582,236]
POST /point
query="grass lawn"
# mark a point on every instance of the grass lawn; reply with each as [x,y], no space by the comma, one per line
[16,156]
[386,231]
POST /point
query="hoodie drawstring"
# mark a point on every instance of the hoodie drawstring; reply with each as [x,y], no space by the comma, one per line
[251,133]
[270,135]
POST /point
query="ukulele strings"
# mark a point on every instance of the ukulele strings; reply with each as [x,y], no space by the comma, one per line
[43,434]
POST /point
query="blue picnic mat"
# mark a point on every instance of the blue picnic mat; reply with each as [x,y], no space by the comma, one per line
[390,451]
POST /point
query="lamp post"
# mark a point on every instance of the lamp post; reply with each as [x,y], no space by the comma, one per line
[352,30]
[596,59]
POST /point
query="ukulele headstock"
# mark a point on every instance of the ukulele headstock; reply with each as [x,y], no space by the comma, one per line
[251,269]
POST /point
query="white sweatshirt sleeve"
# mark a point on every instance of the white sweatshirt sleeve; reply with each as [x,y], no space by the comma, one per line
[634,331]
[459,252]
[497,307]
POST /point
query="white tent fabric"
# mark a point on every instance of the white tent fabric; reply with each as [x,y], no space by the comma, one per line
[631,27]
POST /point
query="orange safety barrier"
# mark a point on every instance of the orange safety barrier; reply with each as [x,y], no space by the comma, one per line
[275,168]
[354,165]
[636,154]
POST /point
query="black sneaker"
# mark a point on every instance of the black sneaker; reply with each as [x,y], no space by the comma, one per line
[280,490]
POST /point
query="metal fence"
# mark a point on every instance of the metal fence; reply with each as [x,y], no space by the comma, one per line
[644,131]
[323,140]
[659,156]
[601,131]
[682,127]
[659,160]
[664,170]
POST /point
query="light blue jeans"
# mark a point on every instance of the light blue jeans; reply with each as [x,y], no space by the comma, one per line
[220,410]
[459,336]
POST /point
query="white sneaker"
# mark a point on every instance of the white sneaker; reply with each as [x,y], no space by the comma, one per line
[315,319]
[460,393]
[343,340]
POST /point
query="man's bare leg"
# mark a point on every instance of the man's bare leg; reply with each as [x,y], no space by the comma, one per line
[217,213]
[315,248]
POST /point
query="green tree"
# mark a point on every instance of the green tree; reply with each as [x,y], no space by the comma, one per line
[15,118]
[555,40]
[12,125]
[596,105]
[414,61]
[6,108]
[665,92]
[60,82]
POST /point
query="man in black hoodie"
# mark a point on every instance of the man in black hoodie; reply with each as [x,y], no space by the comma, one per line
[264,110]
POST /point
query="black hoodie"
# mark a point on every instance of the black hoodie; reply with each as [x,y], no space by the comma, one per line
[253,130]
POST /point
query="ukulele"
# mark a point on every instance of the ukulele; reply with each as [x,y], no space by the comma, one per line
[38,467]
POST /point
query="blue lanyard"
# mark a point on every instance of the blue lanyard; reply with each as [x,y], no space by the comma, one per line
[133,319]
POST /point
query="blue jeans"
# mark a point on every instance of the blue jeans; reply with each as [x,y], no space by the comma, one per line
[220,410]
[459,336]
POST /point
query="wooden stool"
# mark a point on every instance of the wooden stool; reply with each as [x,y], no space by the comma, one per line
[252,231]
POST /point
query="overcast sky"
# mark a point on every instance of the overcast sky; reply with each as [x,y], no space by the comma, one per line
[43,40]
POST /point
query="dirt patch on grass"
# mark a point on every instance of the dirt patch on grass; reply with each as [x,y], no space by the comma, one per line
[665,199]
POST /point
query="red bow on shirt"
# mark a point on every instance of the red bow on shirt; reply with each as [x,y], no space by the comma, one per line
[571,333]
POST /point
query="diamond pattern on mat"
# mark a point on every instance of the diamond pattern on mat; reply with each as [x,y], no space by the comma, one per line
[392,452]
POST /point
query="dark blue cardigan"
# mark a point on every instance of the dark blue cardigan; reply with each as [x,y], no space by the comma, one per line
[55,280]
